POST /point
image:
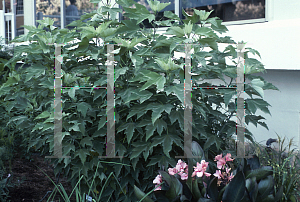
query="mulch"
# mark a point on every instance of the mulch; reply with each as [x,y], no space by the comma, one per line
[31,184]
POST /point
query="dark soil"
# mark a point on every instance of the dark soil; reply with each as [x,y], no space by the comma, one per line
[33,184]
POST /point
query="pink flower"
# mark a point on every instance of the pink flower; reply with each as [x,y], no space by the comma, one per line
[221,163]
[230,177]
[200,169]
[181,166]
[157,181]
[172,171]
[184,176]
[227,170]
[218,157]
[218,174]
[157,188]
[228,157]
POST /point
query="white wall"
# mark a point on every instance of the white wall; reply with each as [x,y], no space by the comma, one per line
[29,14]
[285,107]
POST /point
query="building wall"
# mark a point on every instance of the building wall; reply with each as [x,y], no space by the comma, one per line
[29,16]
[285,107]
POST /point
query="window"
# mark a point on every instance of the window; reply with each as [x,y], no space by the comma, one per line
[228,10]
[76,8]
[73,10]
[48,8]
[19,8]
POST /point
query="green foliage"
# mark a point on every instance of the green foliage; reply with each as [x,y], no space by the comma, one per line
[149,85]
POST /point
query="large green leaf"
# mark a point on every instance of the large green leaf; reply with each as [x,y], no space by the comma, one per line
[158,125]
[253,66]
[157,110]
[198,152]
[120,71]
[169,65]
[177,31]
[156,6]
[86,141]
[128,43]
[204,31]
[169,14]
[236,189]
[112,11]
[257,84]
[71,93]
[228,96]
[178,90]
[129,130]
[259,173]
[43,115]
[166,141]
[35,70]
[102,122]
[75,127]
[82,153]
[265,186]
[140,13]
[135,94]
[202,14]
[49,83]
[174,184]
[210,141]
[254,104]
[83,45]
[126,3]
[177,116]
[217,26]
[17,120]
[193,18]
[188,28]
[130,26]
[153,79]
[138,110]
[212,189]
[138,149]
[83,107]
[141,195]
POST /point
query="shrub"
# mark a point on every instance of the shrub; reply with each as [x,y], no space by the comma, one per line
[149,87]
